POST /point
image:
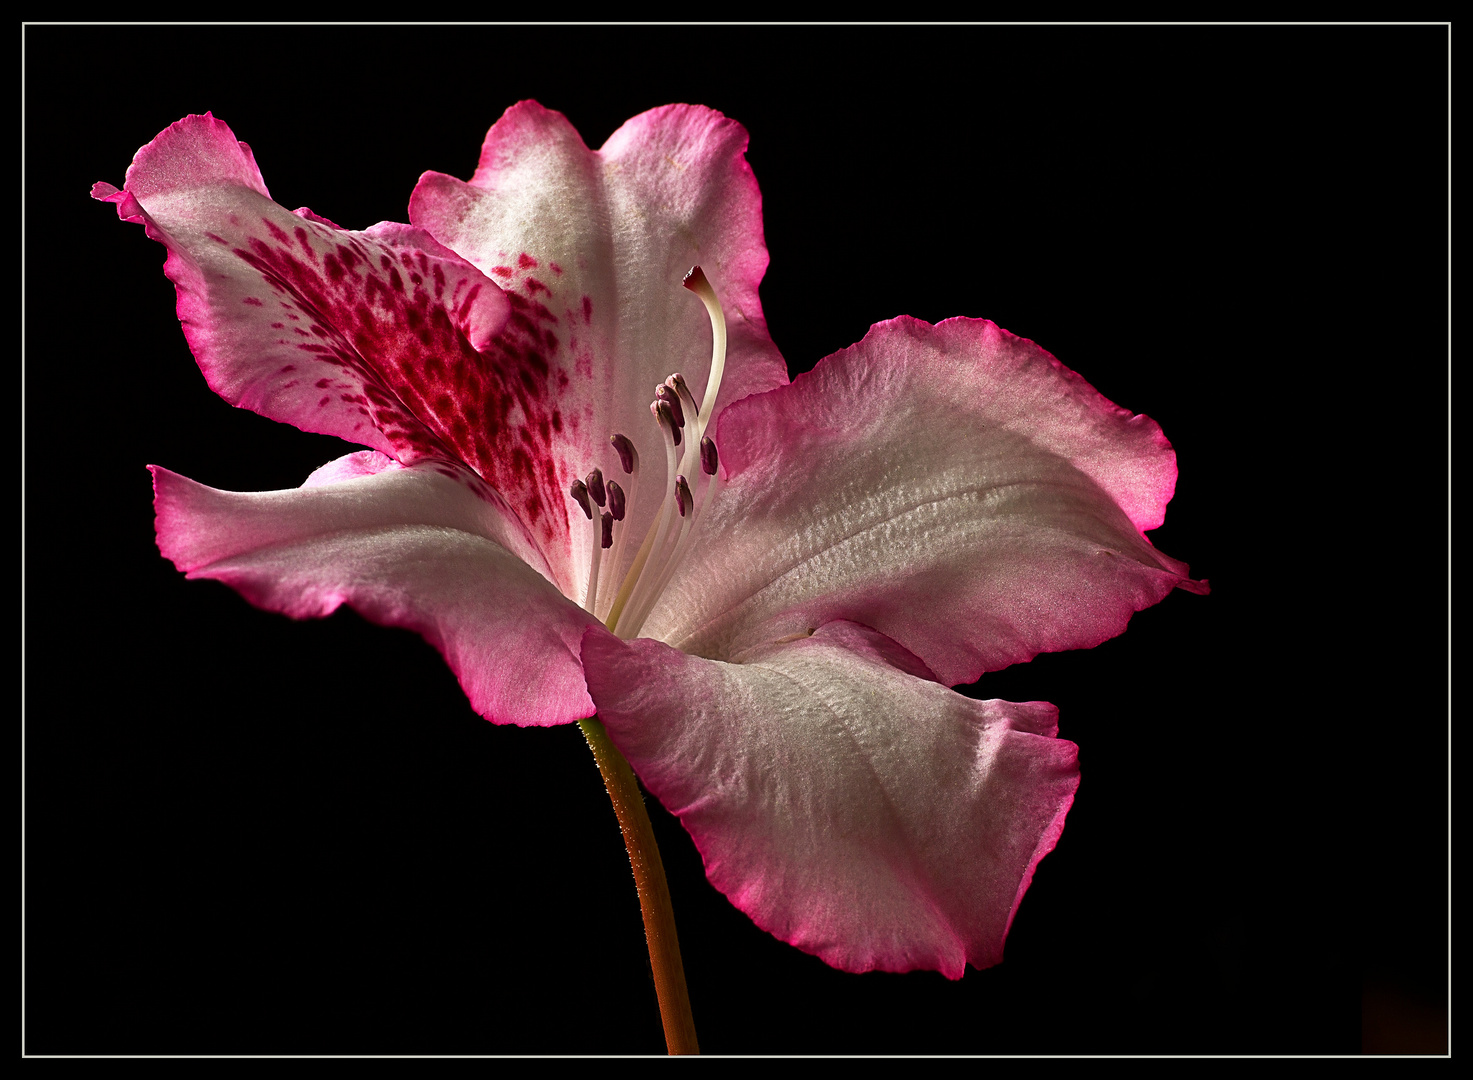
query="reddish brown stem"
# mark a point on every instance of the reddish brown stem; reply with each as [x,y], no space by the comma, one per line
[649,882]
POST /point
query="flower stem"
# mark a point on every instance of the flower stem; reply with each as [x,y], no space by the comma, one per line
[649,882]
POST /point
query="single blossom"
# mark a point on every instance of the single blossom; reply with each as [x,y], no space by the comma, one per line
[563,442]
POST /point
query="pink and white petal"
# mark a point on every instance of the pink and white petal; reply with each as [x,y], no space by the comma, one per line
[866,815]
[428,548]
[365,335]
[592,248]
[953,486]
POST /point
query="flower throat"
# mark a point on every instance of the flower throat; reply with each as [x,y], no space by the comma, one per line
[624,608]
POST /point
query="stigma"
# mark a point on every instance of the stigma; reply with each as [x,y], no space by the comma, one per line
[680,426]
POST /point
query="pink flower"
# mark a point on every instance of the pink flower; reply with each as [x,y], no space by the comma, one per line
[927,505]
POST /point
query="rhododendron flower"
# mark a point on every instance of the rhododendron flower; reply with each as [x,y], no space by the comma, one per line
[595,492]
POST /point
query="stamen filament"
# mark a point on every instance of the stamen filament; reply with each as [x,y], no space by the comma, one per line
[659,566]
[667,426]
[655,539]
[709,461]
[590,597]
[618,504]
[631,579]
[687,538]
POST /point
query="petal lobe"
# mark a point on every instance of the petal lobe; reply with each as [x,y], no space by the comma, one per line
[872,818]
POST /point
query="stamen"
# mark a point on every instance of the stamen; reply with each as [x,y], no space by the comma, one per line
[674,407]
[594,482]
[628,455]
[676,382]
[709,460]
[687,538]
[668,395]
[590,595]
[675,386]
[631,579]
[637,583]
[579,491]
[608,530]
[616,500]
[666,416]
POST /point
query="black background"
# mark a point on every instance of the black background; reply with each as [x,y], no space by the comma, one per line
[246,834]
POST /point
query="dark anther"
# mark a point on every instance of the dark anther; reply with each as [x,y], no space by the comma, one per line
[676,382]
[595,485]
[671,398]
[608,536]
[628,458]
[579,491]
[666,416]
[682,495]
[708,456]
[616,500]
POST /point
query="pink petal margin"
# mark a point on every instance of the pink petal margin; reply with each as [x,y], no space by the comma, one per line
[417,548]
[864,814]
[953,486]
[371,336]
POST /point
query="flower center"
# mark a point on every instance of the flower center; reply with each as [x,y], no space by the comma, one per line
[624,605]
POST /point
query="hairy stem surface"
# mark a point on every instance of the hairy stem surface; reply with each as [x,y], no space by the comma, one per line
[649,881]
